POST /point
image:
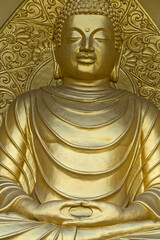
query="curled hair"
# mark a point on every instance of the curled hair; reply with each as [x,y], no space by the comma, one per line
[92,7]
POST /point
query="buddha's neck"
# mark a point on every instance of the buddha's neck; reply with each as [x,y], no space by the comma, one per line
[78,83]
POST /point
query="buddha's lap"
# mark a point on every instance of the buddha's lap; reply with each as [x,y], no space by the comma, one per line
[14,226]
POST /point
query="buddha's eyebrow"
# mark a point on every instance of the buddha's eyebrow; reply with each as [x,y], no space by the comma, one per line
[76,29]
[92,33]
[100,29]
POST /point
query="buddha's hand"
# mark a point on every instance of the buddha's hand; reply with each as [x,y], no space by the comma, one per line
[103,214]
[53,211]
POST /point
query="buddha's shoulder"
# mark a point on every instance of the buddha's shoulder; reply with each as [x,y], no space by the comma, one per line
[23,102]
[143,105]
[29,96]
[124,94]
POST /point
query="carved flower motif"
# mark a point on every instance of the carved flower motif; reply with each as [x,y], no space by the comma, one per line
[19,36]
[42,51]
[129,59]
[152,53]
[145,23]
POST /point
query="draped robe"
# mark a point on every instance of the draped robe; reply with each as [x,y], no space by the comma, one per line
[63,143]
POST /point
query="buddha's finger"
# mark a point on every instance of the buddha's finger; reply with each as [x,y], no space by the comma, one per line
[91,204]
[72,203]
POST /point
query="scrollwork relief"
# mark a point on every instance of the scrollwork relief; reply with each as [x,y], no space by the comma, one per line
[141,56]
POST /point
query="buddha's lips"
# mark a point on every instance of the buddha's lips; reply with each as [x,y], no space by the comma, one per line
[83,58]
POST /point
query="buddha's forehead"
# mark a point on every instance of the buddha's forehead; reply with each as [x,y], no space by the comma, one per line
[91,22]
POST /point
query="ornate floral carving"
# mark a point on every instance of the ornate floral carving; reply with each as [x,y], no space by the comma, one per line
[141,56]
[152,53]
[26,47]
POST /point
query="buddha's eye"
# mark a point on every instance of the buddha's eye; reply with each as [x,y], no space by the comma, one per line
[74,36]
[101,36]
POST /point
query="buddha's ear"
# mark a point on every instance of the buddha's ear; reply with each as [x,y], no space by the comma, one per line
[115,71]
[54,42]
[57,72]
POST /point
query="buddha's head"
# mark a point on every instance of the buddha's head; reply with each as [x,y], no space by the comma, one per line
[87,38]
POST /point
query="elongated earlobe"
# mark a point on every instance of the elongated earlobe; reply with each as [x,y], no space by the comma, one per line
[57,74]
[115,72]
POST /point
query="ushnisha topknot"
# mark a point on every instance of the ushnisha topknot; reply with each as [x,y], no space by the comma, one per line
[92,7]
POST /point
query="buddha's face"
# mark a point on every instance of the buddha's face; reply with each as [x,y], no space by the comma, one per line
[88,49]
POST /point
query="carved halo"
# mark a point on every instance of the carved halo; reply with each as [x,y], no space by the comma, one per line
[26,50]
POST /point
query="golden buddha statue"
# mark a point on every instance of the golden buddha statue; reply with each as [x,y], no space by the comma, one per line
[81,160]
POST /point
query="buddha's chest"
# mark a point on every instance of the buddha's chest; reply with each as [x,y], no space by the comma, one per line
[98,149]
[84,140]
[75,173]
[54,130]
[83,125]
[80,162]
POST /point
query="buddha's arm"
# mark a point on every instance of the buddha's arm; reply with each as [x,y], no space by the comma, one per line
[148,202]
[16,163]
[107,214]
[150,198]
[145,205]
[18,169]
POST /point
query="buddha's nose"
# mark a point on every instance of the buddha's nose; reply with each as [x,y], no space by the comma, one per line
[87,46]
